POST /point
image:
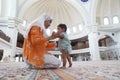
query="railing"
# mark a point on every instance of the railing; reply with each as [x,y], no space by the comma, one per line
[19,50]
[102,48]
[10,22]
[5,43]
[109,48]
[7,21]
[110,27]
[73,51]
[79,51]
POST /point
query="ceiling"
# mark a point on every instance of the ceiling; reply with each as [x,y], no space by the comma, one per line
[107,8]
[63,11]
[60,10]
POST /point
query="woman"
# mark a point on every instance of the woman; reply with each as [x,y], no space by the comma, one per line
[37,43]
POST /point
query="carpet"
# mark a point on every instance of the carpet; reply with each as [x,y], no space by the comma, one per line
[91,70]
[53,74]
[16,71]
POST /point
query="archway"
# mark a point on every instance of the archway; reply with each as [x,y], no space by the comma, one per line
[105,40]
[109,51]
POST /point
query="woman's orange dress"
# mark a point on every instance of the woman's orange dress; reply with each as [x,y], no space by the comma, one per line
[35,46]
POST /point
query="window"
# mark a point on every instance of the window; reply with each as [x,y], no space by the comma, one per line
[115,20]
[68,31]
[106,21]
[24,23]
[74,29]
[80,27]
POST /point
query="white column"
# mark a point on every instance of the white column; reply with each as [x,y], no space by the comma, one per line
[14,41]
[118,44]
[4,8]
[0,7]
[119,54]
[12,8]
[93,46]
[8,8]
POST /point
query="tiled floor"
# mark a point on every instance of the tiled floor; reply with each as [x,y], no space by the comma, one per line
[88,70]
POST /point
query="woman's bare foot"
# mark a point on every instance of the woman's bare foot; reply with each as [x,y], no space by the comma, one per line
[62,67]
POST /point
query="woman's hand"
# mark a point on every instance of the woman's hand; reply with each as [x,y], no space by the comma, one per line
[53,33]
[53,36]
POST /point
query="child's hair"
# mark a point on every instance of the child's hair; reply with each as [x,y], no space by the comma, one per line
[63,26]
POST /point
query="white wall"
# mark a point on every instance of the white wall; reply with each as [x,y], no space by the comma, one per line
[0,7]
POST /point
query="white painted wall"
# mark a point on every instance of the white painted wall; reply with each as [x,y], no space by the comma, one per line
[0,7]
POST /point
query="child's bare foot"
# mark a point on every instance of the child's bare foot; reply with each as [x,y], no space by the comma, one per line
[70,65]
[62,67]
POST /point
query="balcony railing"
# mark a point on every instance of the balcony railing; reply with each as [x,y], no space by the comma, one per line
[109,28]
[6,23]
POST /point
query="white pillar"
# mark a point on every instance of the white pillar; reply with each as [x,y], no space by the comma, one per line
[13,8]
[0,7]
[4,8]
[119,54]
[8,8]
[93,46]
[14,41]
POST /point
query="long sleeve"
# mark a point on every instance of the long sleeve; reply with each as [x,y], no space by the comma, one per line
[50,46]
[36,36]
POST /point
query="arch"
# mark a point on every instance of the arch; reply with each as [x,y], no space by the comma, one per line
[102,40]
[106,21]
[107,35]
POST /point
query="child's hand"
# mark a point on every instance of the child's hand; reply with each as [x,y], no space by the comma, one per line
[54,35]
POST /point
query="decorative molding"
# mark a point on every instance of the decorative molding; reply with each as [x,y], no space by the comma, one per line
[84,0]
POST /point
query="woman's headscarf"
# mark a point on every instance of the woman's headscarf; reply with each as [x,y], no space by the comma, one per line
[40,22]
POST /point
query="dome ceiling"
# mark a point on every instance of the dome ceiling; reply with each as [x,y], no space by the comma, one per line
[108,8]
[60,10]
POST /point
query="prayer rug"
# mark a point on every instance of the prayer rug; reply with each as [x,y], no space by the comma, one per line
[87,70]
